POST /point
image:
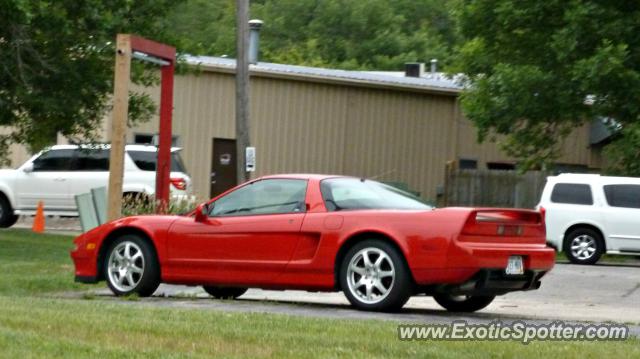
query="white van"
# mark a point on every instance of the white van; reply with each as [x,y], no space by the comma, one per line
[588,215]
[57,174]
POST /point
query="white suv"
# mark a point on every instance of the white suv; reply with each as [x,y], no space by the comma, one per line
[57,174]
[588,215]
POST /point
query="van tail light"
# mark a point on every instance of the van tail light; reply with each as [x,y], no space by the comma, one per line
[543,213]
[504,223]
[179,183]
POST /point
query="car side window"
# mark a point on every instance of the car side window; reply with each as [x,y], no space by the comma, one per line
[572,193]
[623,195]
[270,196]
[53,161]
[91,160]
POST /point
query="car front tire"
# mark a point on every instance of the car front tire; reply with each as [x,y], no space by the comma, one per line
[7,218]
[224,292]
[463,303]
[131,267]
[374,276]
[583,246]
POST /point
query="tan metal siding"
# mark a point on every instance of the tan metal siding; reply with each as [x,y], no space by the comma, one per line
[307,127]
[574,148]
[399,137]
[297,126]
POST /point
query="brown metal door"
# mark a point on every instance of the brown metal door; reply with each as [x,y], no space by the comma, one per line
[223,166]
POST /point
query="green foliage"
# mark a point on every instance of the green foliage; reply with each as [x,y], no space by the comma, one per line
[623,153]
[374,34]
[56,71]
[532,64]
[138,205]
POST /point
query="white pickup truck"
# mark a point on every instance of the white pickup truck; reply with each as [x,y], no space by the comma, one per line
[60,172]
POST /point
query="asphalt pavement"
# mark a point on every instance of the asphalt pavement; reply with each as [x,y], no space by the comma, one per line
[600,294]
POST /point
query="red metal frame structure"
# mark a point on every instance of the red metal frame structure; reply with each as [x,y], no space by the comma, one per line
[167,53]
[129,46]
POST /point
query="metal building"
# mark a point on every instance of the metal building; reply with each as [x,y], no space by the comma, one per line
[381,125]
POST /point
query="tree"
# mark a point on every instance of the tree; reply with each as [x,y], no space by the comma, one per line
[56,70]
[348,34]
[538,69]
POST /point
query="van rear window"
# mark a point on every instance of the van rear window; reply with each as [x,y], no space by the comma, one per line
[572,193]
[147,160]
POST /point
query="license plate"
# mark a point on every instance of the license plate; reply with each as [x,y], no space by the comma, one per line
[515,266]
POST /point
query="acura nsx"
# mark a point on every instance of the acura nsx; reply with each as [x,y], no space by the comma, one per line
[377,244]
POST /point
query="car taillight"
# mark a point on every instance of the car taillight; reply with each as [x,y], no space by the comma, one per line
[179,183]
[543,213]
[509,223]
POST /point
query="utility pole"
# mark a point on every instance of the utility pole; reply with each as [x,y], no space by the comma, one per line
[242,87]
[119,125]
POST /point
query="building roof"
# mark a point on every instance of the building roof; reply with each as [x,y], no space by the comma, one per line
[434,83]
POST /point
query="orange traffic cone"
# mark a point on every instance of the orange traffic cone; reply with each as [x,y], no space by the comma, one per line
[38,220]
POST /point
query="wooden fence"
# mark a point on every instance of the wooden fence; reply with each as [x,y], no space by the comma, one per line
[488,188]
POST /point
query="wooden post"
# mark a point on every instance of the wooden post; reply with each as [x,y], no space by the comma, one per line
[119,124]
[242,87]
[448,170]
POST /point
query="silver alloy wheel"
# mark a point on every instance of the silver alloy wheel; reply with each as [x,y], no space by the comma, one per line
[370,275]
[125,266]
[583,247]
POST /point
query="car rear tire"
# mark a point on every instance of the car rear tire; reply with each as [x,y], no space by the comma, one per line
[224,292]
[7,218]
[583,246]
[374,276]
[131,267]
[463,303]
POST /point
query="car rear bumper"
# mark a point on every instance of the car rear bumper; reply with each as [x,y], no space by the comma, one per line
[480,267]
[494,282]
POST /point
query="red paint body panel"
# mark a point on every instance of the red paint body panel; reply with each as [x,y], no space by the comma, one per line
[299,250]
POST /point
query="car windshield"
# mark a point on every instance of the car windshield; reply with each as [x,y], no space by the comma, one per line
[147,160]
[352,193]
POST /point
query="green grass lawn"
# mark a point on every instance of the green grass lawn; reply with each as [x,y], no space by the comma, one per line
[34,323]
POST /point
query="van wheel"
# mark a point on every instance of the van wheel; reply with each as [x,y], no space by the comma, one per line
[583,246]
[7,218]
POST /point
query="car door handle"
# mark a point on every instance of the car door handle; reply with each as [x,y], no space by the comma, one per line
[60,179]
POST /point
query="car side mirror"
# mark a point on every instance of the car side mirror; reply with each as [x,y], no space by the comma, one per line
[28,168]
[202,212]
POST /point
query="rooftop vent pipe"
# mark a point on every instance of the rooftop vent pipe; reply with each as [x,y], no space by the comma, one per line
[434,66]
[254,40]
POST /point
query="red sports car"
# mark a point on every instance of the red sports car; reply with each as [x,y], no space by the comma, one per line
[377,244]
